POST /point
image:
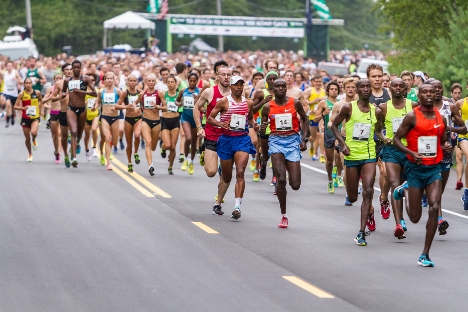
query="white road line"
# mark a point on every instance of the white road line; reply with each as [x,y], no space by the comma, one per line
[378,189]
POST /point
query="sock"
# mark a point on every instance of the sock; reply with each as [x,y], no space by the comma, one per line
[285,215]
[94,147]
[8,119]
[87,151]
[329,181]
[439,218]
[238,202]
[150,166]
[120,140]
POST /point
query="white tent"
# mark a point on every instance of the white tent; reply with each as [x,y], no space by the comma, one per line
[128,20]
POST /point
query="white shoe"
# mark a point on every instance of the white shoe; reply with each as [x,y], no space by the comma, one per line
[88,156]
[95,153]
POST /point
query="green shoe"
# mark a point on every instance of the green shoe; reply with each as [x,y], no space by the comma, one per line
[361,239]
[137,159]
[130,168]
[67,161]
[340,182]
[181,158]
[169,170]
[163,153]
[331,187]
[202,159]
[102,160]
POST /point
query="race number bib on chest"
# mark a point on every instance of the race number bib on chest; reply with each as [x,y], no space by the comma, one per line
[396,123]
[31,111]
[73,84]
[109,98]
[427,146]
[361,132]
[91,102]
[237,122]
[283,122]
[11,87]
[188,102]
[149,102]
[132,99]
[172,107]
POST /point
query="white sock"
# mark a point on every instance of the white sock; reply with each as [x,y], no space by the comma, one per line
[151,165]
[238,202]
[190,161]
[285,215]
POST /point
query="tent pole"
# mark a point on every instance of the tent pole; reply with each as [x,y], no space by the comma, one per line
[104,39]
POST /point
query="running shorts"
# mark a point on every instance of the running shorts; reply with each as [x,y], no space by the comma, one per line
[288,145]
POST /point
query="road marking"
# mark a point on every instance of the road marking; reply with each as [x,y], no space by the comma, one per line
[133,183]
[378,189]
[205,228]
[308,287]
[142,180]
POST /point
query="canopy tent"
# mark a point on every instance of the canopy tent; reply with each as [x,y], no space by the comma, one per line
[127,20]
[200,45]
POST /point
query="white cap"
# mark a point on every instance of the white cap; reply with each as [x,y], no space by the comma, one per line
[420,74]
[235,79]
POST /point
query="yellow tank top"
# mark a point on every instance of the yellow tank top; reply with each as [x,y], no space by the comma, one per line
[32,103]
[90,101]
[314,94]
[464,116]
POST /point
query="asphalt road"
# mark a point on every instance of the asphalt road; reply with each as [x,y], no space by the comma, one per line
[88,239]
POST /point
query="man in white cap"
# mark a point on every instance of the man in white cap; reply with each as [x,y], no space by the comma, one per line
[419,78]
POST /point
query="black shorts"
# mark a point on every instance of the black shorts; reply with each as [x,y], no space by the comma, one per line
[26,123]
[63,119]
[211,145]
[77,110]
[89,122]
[264,137]
[151,123]
[170,123]
[132,120]
[54,117]
[110,119]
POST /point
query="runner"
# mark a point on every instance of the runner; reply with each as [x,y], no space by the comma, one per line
[11,81]
[456,91]
[182,84]
[268,65]
[462,105]
[362,119]
[285,142]
[323,112]
[211,133]
[340,80]
[424,129]
[408,78]
[132,119]
[92,122]
[36,75]
[106,101]
[186,99]
[234,145]
[151,104]
[29,101]
[76,117]
[314,94]
[170,121]
[121,83]
[54,107]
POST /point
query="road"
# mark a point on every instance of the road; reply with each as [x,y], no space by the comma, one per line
[89,239]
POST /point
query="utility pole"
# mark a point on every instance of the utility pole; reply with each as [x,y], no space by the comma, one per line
[28,14]
[220,37]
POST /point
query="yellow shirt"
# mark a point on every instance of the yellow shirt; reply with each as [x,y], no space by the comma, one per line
[90,100]
[314,94]
[464,116]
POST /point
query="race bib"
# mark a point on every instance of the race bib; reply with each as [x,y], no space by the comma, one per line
[73,84]
[33,80]
[172,107]
[237,122]
[396,123]
[188,102]
[361,132]
[132,99]
[109,98]
[149,100]
[31,111]
[10,87]
[283,122]
[91,102]
[427,146]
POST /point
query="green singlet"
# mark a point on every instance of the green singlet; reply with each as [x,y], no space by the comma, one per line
[360,133]
[265,94]
[394,118]
[412,95]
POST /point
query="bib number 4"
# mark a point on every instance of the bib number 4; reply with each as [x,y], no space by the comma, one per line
[237,122]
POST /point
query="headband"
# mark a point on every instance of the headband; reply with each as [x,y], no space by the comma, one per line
[271,72]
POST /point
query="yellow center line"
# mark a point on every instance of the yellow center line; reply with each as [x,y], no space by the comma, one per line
[308,287]
[133,183]
[205,228]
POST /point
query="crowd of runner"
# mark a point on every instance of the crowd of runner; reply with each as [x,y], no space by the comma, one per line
[236,116]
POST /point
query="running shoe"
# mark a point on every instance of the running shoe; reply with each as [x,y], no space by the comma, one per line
[334,172]
[283,223]
[314,157]
[122,146]
[236,213]
[78,148]
[12,120]
[181,158]
[274,192]
[88,156]
[331,187]
[424,201]
[202,158]
[95,154]
[256,176]
[399,191]
[74,163]
[219,169]
[191,168]
[465,199]
[67,161]
[459,185]
[137,159]
[102,160]
[35,144]
[399,232]
[273,181]
[253,164]
[443,226]
[262,171]
[384,208]
[109,166]
[270,165]
[160,143]
[359,190]
[151,170]
[69,138]
[130,168]
[425,261]
[347,202]
[7,124]
[169,170]
[311,151]
[30,158]
[116,150]
[371,222]
[361,239]
[216,198]
[48,124]
[340,181]
[57,158]
[322,159]
[403,225]
[217,210]
[184,165]
[163,153]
